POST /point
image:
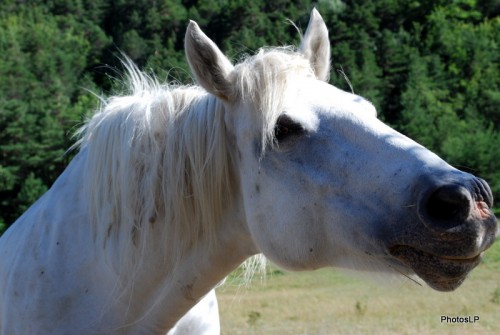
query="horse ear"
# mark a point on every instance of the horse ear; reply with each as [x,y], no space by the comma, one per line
[316,46]
[208,64]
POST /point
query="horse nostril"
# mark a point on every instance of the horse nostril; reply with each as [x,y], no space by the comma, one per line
[449,205]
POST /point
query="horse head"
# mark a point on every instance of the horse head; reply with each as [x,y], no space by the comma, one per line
[325,183]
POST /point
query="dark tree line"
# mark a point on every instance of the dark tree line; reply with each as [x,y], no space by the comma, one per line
[430,67]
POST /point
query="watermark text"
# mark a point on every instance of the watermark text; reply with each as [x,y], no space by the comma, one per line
[459,319]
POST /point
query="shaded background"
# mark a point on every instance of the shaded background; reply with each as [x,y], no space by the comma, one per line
[430,67]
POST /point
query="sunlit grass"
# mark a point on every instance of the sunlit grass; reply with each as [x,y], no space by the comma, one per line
[330,302]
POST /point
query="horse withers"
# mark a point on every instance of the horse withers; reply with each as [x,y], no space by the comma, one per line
[174,187]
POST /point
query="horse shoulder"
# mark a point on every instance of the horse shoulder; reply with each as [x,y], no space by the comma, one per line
[49,269]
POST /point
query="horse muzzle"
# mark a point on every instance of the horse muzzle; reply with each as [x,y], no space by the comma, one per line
[442,273]
[456,226]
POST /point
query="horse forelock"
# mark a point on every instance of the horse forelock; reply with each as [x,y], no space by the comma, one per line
[157,165]
[263,80]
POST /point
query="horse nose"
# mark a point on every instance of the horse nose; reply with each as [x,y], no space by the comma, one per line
[448,206]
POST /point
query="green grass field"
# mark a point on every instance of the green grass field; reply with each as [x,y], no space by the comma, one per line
[330,302]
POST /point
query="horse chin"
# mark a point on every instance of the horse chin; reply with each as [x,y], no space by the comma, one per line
[439,272]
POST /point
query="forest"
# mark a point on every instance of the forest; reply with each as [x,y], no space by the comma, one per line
[431,67]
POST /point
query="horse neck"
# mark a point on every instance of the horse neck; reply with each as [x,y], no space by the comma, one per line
[163,276]
[162,297]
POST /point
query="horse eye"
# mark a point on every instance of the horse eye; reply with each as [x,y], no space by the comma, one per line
[286,127]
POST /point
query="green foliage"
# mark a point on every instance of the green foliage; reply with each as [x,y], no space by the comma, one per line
[31,189]
[430,67]
[43,61]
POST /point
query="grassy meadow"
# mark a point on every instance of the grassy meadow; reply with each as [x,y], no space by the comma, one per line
[330,302]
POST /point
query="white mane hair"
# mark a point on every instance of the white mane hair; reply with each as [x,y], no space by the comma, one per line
[159,157]
[263,79]
[156,156]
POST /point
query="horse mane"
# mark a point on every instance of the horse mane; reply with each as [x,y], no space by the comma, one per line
[159,155]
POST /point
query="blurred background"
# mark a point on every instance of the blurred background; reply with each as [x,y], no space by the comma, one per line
[432,69]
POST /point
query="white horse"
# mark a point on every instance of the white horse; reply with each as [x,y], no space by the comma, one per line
[173,188]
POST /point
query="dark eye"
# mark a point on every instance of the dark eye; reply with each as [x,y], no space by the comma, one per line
[286,127]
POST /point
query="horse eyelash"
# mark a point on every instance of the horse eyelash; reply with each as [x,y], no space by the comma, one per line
[286,127]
